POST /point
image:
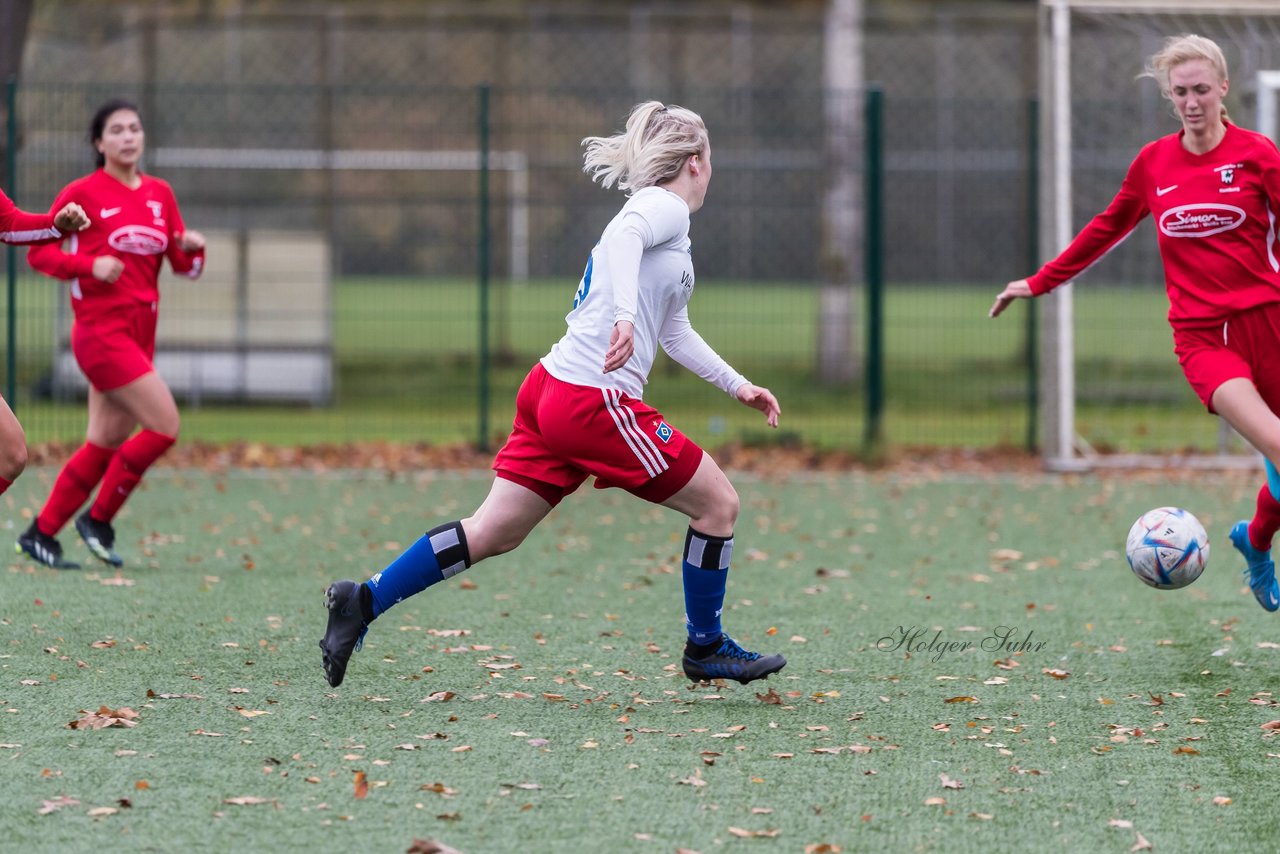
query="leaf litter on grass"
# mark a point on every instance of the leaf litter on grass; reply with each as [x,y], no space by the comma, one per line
[561,717]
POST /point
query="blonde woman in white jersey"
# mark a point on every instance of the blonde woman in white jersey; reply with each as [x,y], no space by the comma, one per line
[579,411]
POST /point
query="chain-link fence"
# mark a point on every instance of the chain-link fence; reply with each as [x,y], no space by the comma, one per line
[352,143]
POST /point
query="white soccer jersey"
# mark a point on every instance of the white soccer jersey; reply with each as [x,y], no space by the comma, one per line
[652,229]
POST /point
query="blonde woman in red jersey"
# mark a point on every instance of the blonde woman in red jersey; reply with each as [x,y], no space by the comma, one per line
[17,227]
[1214,190]
[114,266]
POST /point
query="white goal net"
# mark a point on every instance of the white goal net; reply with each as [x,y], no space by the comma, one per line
[1110,387]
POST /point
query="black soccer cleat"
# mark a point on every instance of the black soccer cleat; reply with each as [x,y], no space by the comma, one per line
[344,633]
[100,537]
[43,549]
[730,661]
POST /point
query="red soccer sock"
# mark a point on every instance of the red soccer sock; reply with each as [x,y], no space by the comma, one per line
[76,480]
[4,484]
[131,461]
[1266,520]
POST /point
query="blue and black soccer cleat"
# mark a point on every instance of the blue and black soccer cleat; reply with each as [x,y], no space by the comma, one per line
[1261,571]
[730,661]
[100,537]
[43,549]
[345,631]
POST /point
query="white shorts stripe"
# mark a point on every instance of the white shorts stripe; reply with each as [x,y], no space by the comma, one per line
[643,437]
[617,420]
[640,444]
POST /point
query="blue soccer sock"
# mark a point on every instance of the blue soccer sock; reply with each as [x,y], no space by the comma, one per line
[706,569]
[441,553]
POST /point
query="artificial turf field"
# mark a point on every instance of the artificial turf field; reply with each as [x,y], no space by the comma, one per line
[534,703]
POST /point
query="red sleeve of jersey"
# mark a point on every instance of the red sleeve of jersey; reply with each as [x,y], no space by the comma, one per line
[190,264]
[18,226]
[52,261]
[1097,238]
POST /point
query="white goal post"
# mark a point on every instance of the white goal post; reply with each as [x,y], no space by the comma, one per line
[1249,31]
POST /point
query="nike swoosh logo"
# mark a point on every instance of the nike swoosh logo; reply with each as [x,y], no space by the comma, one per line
[105,213]
[1160,191]
[1274,601]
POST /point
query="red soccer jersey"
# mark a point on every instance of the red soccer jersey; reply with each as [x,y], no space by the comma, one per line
[1215,214]
[17,226]
[137,226]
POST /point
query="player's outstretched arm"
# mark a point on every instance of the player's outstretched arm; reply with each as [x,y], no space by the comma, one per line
[758,397]
[1012,291]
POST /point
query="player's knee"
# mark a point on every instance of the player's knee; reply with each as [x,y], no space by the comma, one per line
[167,424]
[731,504]
[13,459]
[485,540]
[721,514]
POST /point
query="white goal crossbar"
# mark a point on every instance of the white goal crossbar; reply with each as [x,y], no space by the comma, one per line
[514,163]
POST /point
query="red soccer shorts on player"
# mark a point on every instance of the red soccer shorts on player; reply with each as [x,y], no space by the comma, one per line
[116,348]
[1247,345]
[564,432]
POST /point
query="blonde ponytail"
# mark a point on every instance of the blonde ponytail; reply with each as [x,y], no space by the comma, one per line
[654,147]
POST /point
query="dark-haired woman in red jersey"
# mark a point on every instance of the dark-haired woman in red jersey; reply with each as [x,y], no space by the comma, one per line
[114,266]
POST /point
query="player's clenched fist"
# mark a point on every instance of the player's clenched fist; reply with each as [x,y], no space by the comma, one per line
[189,241]
[107,268]
[71,218]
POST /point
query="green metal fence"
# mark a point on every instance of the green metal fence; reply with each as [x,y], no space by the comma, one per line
[436,237]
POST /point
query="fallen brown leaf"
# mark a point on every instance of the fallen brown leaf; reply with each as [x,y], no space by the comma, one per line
[438,697]
[105,717]
[152,695]
[431,846]
[55,804]
[362,786]
[439,788]
[771,697]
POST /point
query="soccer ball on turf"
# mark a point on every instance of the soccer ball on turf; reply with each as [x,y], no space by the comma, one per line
[1167,548]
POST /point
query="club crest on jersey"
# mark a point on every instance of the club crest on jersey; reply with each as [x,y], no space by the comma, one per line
[138,240]
[1227,172]
[1200,220]
[664,432]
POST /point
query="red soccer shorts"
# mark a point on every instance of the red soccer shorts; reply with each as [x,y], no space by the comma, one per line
[1247,345]
[564,432]
[116,348]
